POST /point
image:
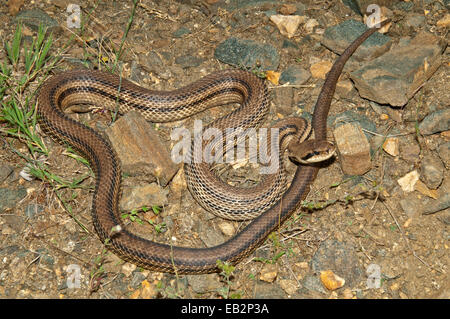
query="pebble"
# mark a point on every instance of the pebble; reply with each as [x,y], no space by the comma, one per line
[5,171]
[10,197]
[391,146]
[295,75]
[289,286]
[247,53]
[408,181]
[432,171]
[330,280]
[287,24]
[337,38]
[268,273]
[227,228]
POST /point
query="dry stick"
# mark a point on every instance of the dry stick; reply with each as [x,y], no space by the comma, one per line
[406,239]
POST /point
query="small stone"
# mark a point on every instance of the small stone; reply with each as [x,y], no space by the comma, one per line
[432,171]
[410,152]
[310,25]
[347,294]
[287,9]
[148,291]
[408,181]
[289,286]
[180,32]
[353,149]
[391,146]
[32,210]
[247,53]
[287,24]
[128,268]
[319,70]
[294,75]
[269,273]
[227,228]
[330,280]
[10,197]
[423,189]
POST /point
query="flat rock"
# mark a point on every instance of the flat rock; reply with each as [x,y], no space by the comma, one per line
[140,148]
[435,122]
[247,53]
[396,76]
[10,197]
[33,18]
[337,38]
[432,171]
[295,75]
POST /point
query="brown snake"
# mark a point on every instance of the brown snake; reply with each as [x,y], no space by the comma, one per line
[75,87]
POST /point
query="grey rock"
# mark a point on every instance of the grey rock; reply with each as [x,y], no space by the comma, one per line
[337,38]
[341,258]
[432,171]
[415,20]
[188,61]
[444,154]
[313,283]
[5,171]
[180,32]
[396,76]
[435,122]
[411,205]
[247,53]
[210,236]
[294,75]
[265,290]
[33,18]
[10,197]
[437,205]
[204,283]
[349,117]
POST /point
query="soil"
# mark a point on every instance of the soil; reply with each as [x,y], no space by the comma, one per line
[46,247]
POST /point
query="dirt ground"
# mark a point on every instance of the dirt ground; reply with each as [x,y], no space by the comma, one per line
[370,235]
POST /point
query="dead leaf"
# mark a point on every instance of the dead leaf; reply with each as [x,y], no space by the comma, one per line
[273,76]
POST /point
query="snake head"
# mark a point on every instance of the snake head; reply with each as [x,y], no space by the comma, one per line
[311,151]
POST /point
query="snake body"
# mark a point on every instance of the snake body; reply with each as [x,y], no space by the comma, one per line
[106,90]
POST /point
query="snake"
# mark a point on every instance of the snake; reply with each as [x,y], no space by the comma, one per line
[223,87]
